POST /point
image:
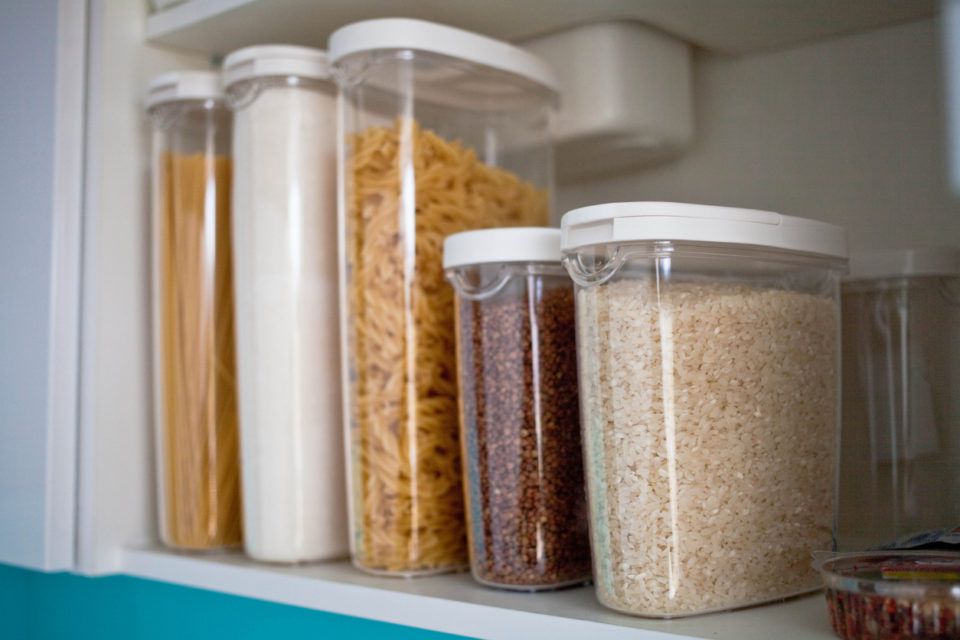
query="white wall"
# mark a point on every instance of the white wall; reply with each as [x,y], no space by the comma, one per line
[28,48]
[849,130]
[116,506]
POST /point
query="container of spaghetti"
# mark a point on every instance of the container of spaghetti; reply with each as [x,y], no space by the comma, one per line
[886,595]
[442,131]
[195,395]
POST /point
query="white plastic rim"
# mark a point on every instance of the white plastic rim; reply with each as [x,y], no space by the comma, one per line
[275,60]
[419,35]
[904,263]
[624,222]
[512,244]
[184,85]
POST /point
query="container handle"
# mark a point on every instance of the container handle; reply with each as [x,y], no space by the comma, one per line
[597,273]
[467,290]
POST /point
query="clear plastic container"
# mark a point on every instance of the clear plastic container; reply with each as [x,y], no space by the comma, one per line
[900,453]
[708,342]
[908,595]
[195,395]
[519,408]
[443,131]
[288,335]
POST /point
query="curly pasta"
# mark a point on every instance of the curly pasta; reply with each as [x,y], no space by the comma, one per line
[406,190]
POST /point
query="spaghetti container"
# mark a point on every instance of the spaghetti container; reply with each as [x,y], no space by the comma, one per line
[442,131]
[709,352]
[284,231]
[195,396]
[519,411]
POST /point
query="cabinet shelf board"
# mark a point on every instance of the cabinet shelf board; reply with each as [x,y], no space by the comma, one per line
[216,27]
[455,604]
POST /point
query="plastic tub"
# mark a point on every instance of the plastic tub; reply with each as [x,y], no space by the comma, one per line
[913,595]
[708,342]
[900,453]
[284,104]
[519,408]
[195,396]
[443,131]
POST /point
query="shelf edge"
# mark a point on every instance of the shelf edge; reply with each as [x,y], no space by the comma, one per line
[413,610]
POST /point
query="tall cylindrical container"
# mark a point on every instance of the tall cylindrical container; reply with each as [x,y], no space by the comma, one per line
[519,409]
[285,267]
[442,131]
[900,453]
[195,396]
[709,348]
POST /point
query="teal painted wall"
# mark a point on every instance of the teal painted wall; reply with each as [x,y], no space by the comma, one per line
[39,606]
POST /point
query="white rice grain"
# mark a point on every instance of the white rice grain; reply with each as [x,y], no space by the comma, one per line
[710,470]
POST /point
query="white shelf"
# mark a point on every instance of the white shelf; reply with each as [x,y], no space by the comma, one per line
[732,26]
[456,604]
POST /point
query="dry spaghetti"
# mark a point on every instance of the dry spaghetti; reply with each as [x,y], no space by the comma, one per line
[197,412]
[407,497]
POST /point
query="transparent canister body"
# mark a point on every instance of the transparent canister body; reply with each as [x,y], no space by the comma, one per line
[900,453]
[709,388]
[431,145]
[195,396]
[520,425]
[288,355]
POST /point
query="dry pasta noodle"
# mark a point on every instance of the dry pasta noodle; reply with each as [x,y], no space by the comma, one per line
[408,502]
[199,440]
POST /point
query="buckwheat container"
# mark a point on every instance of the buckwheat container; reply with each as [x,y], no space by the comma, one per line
[708,345]
[519,411]
[442,131]
[900,454]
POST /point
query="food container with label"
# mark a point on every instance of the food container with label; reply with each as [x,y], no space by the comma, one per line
[708,345]
[900,452]
[442,131]
[195,396]
[519,408]
[908,595]
[285,231]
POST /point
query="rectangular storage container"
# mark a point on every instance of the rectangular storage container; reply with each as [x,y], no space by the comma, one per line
[708,341]
[284,231]
[519,408]
[443,131]
[195,394]
[900,454]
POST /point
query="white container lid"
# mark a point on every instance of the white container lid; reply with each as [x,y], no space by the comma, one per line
[901,263]
[275,60]
[512,244]
[184,85]
[419,35]
[651,221]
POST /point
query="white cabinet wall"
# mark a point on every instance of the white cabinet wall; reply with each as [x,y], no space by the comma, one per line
[41,133]
[850,130]
[847,129]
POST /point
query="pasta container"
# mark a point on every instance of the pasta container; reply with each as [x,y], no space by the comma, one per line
[442,131]
[288,337]
[908,595]
[195,395]
[519,408]
[708,345]
[900,452]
